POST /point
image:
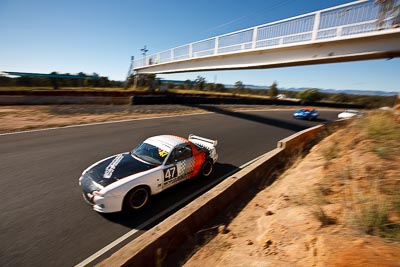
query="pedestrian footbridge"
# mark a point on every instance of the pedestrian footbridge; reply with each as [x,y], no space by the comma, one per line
[354,31]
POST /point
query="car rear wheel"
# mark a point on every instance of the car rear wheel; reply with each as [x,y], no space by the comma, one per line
[207,168]
[137,198]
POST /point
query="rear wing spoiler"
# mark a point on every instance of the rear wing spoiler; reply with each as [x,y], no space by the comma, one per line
[195,138]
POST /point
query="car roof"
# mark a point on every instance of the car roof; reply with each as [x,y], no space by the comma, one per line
[307,109]
[166,142]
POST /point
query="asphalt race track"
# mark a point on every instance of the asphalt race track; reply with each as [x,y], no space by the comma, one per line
[44,220]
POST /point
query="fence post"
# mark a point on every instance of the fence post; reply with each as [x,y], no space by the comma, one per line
[339,31]
[317,20]
[216,45]
[254,41]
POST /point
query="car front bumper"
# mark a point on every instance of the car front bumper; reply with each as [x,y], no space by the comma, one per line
[103,204]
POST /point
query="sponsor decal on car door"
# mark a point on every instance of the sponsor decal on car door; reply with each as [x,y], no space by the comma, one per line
[176,173]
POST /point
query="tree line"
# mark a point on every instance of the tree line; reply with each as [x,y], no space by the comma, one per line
[200,83]
[308,95]
[89,81]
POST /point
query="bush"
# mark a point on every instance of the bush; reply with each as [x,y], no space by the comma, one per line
[311,95]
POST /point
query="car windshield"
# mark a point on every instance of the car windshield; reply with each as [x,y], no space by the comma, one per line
[150,153]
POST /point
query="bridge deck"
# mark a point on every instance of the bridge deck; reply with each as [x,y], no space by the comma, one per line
[352,31]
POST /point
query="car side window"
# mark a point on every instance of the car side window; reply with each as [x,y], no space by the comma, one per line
[186,152]
[180,153]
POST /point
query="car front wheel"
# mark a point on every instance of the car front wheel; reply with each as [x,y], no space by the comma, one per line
[137,198]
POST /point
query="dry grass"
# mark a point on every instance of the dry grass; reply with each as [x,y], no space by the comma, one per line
[332,151]
[49,88]
[381,128]
[363,175]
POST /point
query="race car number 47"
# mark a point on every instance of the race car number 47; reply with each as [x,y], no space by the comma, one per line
[170,174]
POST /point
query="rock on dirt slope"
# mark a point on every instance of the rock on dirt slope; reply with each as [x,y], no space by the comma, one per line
[338,206]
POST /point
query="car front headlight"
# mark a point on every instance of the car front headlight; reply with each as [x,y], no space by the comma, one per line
[98,194]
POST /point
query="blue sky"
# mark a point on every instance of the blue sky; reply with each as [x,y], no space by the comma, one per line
[100,36]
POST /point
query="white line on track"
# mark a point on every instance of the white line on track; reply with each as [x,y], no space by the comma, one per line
[158,216]
[126,120]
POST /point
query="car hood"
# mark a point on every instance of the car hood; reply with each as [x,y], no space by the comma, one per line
[115,168]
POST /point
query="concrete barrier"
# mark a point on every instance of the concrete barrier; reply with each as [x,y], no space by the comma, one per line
[211,100]
[151,247]
[57,97]
[228,100]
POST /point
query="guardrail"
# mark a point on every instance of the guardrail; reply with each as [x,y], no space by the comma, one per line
[153,246]
[328,24]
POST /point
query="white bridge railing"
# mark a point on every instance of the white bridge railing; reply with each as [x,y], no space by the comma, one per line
[324,25]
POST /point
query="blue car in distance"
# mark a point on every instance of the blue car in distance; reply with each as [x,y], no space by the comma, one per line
[306,113]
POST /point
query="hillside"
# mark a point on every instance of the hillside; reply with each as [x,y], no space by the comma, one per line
[338,206]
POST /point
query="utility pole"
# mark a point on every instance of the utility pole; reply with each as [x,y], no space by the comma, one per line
[129,72]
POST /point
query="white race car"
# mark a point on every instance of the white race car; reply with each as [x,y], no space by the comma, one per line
[350,114]
[126,181]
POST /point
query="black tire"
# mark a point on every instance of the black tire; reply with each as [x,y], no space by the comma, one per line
[207,168]
[137,198]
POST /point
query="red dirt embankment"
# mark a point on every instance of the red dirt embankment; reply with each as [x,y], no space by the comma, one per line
[331,209]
